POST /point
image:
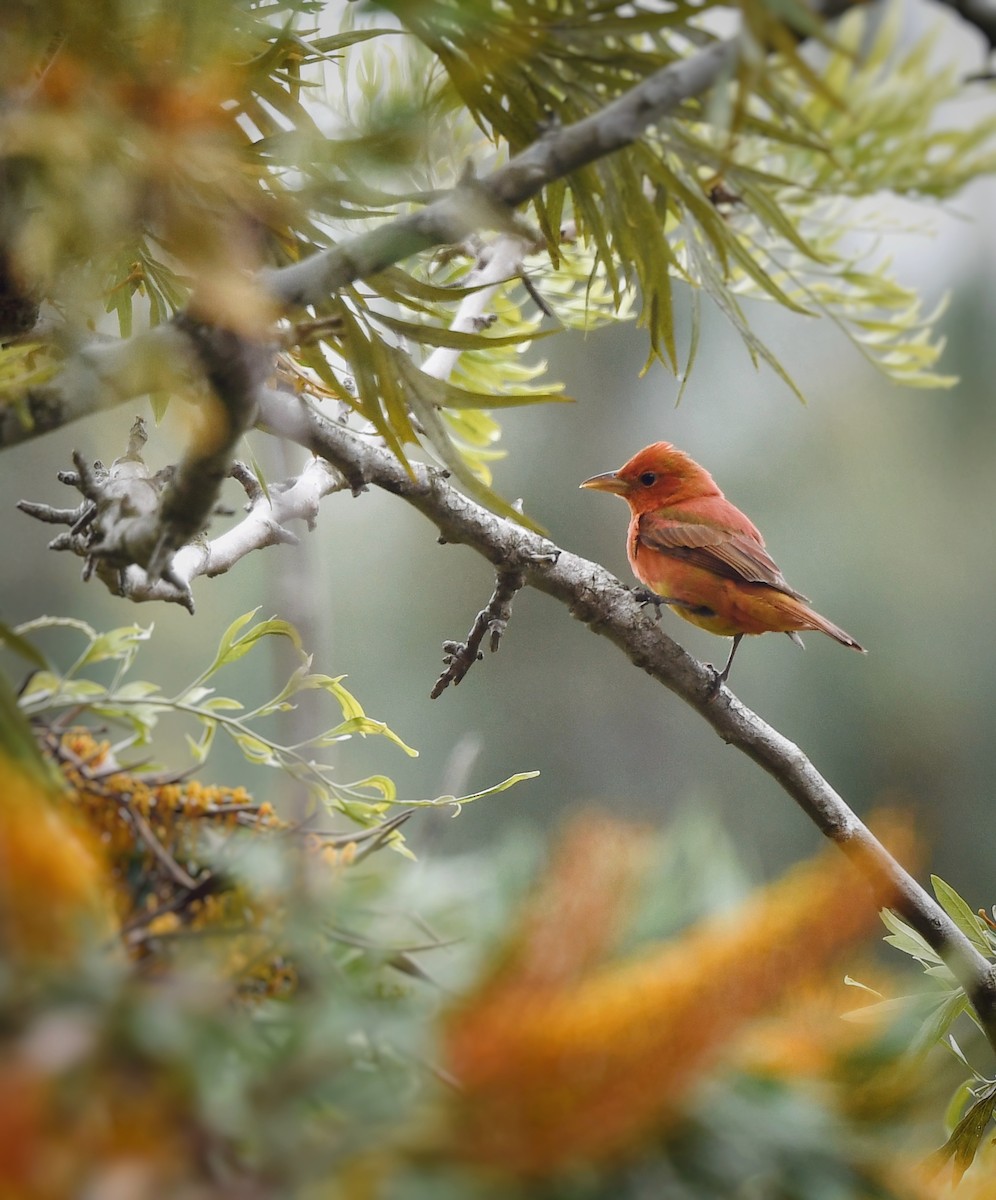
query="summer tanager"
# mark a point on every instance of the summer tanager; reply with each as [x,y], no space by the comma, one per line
[702,556]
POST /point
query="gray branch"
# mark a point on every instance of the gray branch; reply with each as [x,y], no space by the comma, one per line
[493,620]
[594,596]
[102,376]
[130,516]
[124,506]
[488,202]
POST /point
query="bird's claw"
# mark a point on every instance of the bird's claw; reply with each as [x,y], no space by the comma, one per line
[644,596]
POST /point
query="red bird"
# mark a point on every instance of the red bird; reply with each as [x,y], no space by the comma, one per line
[702,556]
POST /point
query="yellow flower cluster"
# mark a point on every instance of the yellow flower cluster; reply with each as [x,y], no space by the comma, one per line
[149,832]
[575,1064]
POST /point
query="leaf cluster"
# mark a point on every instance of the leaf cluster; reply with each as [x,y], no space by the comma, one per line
[137,706]
[973,1105]
[160,153]
[748,193]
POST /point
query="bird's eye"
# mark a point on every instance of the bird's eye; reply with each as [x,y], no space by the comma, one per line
[648,479]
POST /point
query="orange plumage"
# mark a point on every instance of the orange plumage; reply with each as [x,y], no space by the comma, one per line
[702,556]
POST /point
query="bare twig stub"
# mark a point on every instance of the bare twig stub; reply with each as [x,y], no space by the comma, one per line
[461,656]
[119,522]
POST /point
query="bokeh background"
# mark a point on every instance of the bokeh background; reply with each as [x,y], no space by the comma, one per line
[878,502]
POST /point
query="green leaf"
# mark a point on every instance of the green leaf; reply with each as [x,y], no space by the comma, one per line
[937,1022]
[453,339]
[457,802]
[200,747]
[959,912]
[234,644]
[39,689]
[326,46]
[80,691]
[222,704]
[428,413]
[448,395]
[118,644]
[962,1146]
[138,689]
[18,743]
[254,748]
[362,726]
[963,1095]
[376,783]
[873,1013]
[906,939]
[693,344]
[351,707]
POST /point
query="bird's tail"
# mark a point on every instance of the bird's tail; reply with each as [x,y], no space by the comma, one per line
[832,630]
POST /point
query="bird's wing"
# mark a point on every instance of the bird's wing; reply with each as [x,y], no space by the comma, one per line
[722,551]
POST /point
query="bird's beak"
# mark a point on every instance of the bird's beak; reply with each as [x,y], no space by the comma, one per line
[609,482]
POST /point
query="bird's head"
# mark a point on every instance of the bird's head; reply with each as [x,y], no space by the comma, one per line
[656,476]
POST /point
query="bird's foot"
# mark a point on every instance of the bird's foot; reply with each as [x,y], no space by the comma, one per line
[720,677]
[644,596]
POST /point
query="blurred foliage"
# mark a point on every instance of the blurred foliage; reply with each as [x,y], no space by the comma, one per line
[733,195]
[297,1017]
[566,1056]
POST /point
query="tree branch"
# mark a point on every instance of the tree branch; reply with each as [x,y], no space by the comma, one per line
[487,203]
[101,376]
[595,597]
[235,367]
[265,524]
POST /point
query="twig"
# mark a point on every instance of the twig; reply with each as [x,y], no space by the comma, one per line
[57,747]
[499,262]
[488,202]
[148,835]
[376,833]
[383,834]
[132,929]
[461,656]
